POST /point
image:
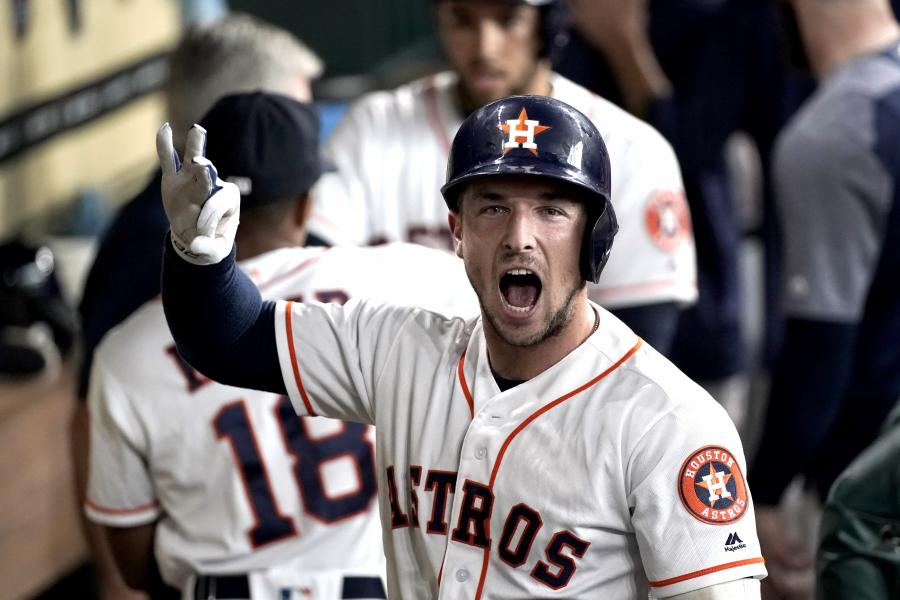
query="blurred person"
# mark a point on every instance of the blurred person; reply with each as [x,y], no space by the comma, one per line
[213,58]
[699,71]
[226,489]
[835,174]
[859,543]
[391,153]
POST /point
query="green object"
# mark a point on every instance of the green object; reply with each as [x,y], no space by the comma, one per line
[859,547]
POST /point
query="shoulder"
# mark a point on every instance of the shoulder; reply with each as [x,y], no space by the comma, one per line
[648,381]
[132,348]
[622,132]
[839,118]
[403,102]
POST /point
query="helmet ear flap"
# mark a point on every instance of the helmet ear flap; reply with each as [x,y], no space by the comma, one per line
[597,244]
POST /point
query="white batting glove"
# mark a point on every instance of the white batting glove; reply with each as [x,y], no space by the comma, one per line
[203,210]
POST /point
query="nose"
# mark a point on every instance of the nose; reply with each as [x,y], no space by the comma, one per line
[518,235]
[490,38]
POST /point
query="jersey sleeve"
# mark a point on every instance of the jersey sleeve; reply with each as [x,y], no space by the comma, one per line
[692,513]
[331,356]
[653,257]
[120,489]
[826,192]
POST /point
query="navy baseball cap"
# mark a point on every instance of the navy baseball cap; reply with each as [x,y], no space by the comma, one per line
[266,144]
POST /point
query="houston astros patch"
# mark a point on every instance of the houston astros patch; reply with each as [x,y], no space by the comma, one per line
[667,219]
[712,487]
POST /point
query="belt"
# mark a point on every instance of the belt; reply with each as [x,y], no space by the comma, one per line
[237,587]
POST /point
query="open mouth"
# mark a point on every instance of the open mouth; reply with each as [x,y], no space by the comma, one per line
[520,290]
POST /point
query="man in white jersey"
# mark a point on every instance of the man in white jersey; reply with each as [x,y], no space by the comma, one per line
[240,498]
[539,450]
[391,151]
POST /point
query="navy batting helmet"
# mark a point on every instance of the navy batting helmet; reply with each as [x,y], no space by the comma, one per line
[540,136]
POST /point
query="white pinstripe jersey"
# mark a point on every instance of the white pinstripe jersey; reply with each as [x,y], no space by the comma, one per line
[236,480]
[391,153]
[607,475]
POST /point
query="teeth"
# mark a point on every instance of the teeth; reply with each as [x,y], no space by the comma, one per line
[519,272]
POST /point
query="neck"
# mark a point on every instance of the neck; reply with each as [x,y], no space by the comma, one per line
[249,246]
[522,363]
[838,32]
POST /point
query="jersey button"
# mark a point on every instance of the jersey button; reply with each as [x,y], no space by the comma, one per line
[480,453]
[462,575]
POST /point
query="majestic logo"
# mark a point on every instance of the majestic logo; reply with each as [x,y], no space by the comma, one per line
[712,487]
[734,543]
[667,219]
[522,132]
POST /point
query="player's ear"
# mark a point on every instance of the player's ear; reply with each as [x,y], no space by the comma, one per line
[454,220]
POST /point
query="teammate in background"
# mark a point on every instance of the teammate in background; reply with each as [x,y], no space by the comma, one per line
[391,151]
[227,487]
[836,182]
[234,53]
[539,449]
[700,71]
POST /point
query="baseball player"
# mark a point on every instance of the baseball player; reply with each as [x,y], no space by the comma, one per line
[539,450]
[235,53]
[391,151]
[242,498]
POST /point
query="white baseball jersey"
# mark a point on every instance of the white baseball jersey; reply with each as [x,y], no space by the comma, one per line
[607,475]
[391,155]
[238,482]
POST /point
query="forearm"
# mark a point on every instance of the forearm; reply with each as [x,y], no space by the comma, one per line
[808,385]
[220,322]
[638,74]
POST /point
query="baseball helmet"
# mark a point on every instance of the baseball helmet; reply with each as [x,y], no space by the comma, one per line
[543,137]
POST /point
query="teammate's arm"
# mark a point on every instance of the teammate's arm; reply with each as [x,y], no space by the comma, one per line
[619,31]
[132,548]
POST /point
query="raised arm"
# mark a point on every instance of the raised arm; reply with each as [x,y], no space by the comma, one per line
[218,319]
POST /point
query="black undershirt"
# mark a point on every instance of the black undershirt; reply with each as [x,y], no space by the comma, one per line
[505,384]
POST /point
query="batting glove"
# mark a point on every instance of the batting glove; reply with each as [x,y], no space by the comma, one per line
[203,210]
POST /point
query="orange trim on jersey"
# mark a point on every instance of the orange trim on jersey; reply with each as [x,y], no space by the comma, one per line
[461,375]
[289,328]
[304,265]
[702,572]
[526,423]
[120,511]
[434,119]
[651,285]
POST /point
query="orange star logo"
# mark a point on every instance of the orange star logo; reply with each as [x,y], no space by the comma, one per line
[714,482]
[522,132]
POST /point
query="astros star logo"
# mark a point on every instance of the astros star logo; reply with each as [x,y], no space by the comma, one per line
[716,483]
[522,132]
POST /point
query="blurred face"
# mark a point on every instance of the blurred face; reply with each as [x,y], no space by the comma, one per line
[492,45]
[520,238]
